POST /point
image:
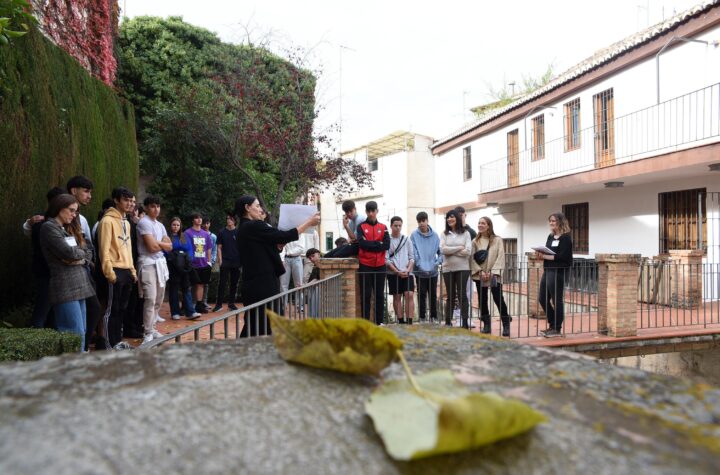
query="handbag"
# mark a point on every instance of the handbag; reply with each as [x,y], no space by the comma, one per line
[481,255]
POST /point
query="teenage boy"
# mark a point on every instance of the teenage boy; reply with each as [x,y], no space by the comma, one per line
[426,247]
[228,257]
[400,261]
[213,258]
[351,219]
[81,188]
[153,271]
[117,261]
[373,242]
[202,254]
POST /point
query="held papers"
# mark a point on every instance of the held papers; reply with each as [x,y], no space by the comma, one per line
[292,216]
[543,250]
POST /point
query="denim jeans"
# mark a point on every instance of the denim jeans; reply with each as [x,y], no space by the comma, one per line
[175,285]
[70,317]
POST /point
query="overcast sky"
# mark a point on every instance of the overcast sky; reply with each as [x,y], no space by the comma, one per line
[419,65]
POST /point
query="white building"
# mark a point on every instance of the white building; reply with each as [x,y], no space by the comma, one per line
[626,143]
[402,167]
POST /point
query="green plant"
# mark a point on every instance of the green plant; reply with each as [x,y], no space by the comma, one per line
[28,344]
[15,20]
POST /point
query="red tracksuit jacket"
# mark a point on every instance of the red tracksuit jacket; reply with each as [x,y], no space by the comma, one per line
[373,241]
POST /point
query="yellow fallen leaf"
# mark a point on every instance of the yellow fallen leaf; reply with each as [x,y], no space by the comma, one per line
[439,415]
[349,345]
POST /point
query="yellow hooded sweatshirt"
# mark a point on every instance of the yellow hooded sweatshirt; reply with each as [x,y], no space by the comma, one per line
[115,244]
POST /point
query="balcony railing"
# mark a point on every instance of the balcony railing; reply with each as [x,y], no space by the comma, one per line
[682,122]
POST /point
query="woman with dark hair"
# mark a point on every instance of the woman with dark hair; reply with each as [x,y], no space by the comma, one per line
[455,244]
[259,245]
[64,247]
[178,260]
[487,265]
[556,266]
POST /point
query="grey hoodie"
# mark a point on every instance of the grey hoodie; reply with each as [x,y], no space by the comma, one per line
[427,252]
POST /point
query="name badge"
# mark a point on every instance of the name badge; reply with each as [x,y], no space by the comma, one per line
[70,241]
[555,243]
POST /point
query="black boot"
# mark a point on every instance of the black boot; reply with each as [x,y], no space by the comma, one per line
[486,323]
[465,324]
[506,326]
[409,321]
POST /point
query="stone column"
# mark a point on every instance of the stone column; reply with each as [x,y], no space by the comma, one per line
[535,272]
[617,293]
[349,283]
[686,278]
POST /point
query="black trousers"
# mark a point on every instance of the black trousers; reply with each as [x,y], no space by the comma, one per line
[118,296]
[253,291]
[456,288]
[233,275]
[92,317]
[552,288]
[427,287]
[372,281]
[497,296]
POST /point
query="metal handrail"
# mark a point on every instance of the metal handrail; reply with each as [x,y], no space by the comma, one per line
[177,335]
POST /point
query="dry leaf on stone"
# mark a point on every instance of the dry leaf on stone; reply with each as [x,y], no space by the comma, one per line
[444,417]
[349,345]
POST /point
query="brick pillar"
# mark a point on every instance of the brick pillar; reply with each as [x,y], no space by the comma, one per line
[686,278]
[535,272]
[617,293]
[349,285]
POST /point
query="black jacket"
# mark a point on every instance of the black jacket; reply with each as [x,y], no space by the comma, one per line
[563,252]
[257,245]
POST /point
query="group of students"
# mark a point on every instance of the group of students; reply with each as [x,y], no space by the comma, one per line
[123,265]
[463,257]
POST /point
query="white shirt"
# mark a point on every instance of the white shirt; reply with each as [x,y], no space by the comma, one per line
[147,226]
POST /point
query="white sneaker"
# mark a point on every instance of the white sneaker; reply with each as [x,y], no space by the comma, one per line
[148,338]
[158,318]
[176,317]
[157,334]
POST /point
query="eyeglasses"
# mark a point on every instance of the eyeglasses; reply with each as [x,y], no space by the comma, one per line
[73,210]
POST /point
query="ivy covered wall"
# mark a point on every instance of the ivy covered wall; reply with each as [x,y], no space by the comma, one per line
[56,121]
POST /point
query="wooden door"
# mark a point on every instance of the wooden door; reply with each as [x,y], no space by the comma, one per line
[604,122]
[513,158]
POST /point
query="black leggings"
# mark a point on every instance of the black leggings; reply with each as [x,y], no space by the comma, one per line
[456,287]
[497,296]
[552,288]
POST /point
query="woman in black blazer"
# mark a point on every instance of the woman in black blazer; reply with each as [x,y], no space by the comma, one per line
[259,245]
[556,267]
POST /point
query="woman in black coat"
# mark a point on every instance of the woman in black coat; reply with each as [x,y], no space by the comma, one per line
[259,245]
[556,267]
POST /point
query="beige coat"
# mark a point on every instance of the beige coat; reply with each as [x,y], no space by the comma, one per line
[495,262]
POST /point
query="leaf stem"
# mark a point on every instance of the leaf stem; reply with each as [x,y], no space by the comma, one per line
[409,374]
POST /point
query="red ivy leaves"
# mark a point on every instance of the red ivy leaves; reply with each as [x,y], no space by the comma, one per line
[86,29]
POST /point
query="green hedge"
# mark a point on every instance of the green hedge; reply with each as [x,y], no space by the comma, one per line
[56,121]
[28,344]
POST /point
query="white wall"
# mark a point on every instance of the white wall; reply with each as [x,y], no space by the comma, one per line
[648,131]
[621,220]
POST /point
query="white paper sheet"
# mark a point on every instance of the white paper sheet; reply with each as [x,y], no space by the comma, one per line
[292,216]
[543,249]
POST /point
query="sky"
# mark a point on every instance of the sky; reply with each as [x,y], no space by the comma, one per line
[417,65]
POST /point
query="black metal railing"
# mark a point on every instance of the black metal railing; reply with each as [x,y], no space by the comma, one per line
[676,123]
[318,299]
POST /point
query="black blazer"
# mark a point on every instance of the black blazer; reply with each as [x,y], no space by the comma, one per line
[257,245]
